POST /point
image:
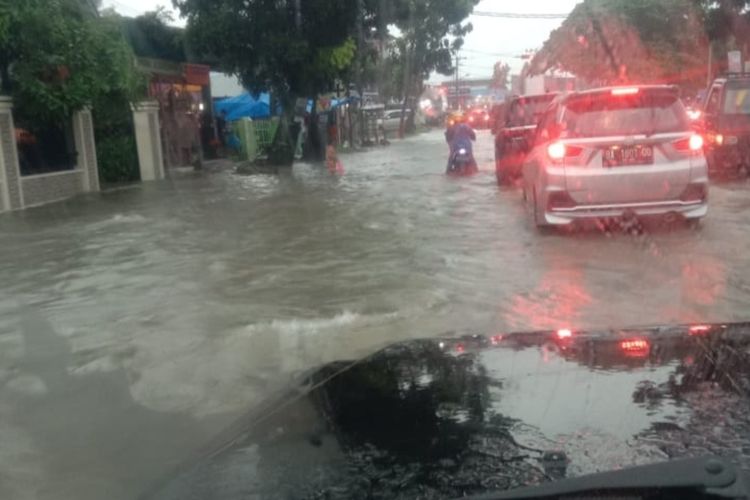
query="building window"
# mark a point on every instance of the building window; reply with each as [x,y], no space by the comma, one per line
[45,148]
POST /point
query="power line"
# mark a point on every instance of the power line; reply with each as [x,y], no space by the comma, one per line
[518,15]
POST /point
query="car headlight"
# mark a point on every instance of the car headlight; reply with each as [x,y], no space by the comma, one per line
[462,151]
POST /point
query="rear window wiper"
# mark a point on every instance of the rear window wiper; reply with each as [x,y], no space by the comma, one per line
[707,477]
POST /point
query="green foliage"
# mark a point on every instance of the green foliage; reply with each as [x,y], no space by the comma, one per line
[259,41]
[118,158]
[151,36]
[434,30]
[57,56]
[116,151]
[617,41]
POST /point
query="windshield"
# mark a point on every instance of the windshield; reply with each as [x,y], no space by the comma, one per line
[606,115]
[333,249]
[527,111]
[737,100]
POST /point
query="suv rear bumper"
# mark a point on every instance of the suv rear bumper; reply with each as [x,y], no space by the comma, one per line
[687,209]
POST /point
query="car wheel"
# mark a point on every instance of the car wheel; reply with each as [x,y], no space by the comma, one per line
[694,224]
[540,225]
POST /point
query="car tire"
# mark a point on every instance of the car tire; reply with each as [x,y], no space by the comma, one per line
[541,226]
[693,224]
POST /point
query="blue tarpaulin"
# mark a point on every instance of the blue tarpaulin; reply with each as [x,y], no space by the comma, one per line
[244,106]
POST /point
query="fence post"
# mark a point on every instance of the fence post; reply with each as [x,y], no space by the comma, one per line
[11,195]
[83,133]
[148,140]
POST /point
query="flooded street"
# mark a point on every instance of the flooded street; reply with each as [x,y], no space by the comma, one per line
[137,324]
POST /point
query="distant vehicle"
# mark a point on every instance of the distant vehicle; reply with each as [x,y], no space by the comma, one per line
[453,118]
[478,118]
[391,120]
[497,117]
[518,123]
[617,152]
[725,124]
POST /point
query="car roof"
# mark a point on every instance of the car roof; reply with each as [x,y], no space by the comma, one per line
[602,90]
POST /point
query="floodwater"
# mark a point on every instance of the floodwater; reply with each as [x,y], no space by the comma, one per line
[136,324]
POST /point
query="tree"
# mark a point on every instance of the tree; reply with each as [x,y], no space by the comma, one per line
[500,74]
[292,48]
[57,56]
[619,41]
[433,31]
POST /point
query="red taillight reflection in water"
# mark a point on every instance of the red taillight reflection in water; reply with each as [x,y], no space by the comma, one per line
[699,329]
[635,347]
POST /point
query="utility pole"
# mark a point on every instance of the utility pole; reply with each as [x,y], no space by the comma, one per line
[360,75]
[458,59]
[408,54]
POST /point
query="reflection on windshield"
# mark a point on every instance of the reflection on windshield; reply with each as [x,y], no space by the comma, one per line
[452,417]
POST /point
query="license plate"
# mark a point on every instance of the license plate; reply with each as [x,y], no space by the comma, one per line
[618,156]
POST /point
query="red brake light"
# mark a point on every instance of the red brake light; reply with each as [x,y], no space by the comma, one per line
[625,91]
[635,347]
[460,348]
[564,333]
[471,118]
[694,144]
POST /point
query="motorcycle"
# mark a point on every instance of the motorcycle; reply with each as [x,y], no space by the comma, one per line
[462,162]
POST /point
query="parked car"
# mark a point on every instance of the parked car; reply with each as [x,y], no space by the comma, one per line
[391,120]
[618,152]
[725,124]
[518,124]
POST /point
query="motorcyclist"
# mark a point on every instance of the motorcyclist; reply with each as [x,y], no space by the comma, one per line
[460,136]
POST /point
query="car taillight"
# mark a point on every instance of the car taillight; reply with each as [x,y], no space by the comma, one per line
[558,151]
[564,333]
[471,119]
[635,347]
[693,144]
[694,192]
[486,117]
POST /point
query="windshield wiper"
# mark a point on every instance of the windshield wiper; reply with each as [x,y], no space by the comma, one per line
[707,477]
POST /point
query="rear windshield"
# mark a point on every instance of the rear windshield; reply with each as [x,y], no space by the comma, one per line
[528,111]
[600,115]
[737,100]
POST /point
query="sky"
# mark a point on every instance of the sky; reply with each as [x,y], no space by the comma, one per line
[492,39]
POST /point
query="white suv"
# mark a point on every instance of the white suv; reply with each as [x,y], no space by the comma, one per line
[612,152]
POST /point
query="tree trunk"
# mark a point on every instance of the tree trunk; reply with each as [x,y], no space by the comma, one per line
[313,147]
[282,147]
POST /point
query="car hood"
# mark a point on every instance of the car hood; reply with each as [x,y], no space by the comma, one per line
[447,417]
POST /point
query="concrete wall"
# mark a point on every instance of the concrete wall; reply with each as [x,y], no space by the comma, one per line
[55,186]
[17,191]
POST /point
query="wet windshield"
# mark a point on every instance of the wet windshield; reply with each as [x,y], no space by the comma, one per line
[737,100]
[308,249]
[607,114]
[527,111]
